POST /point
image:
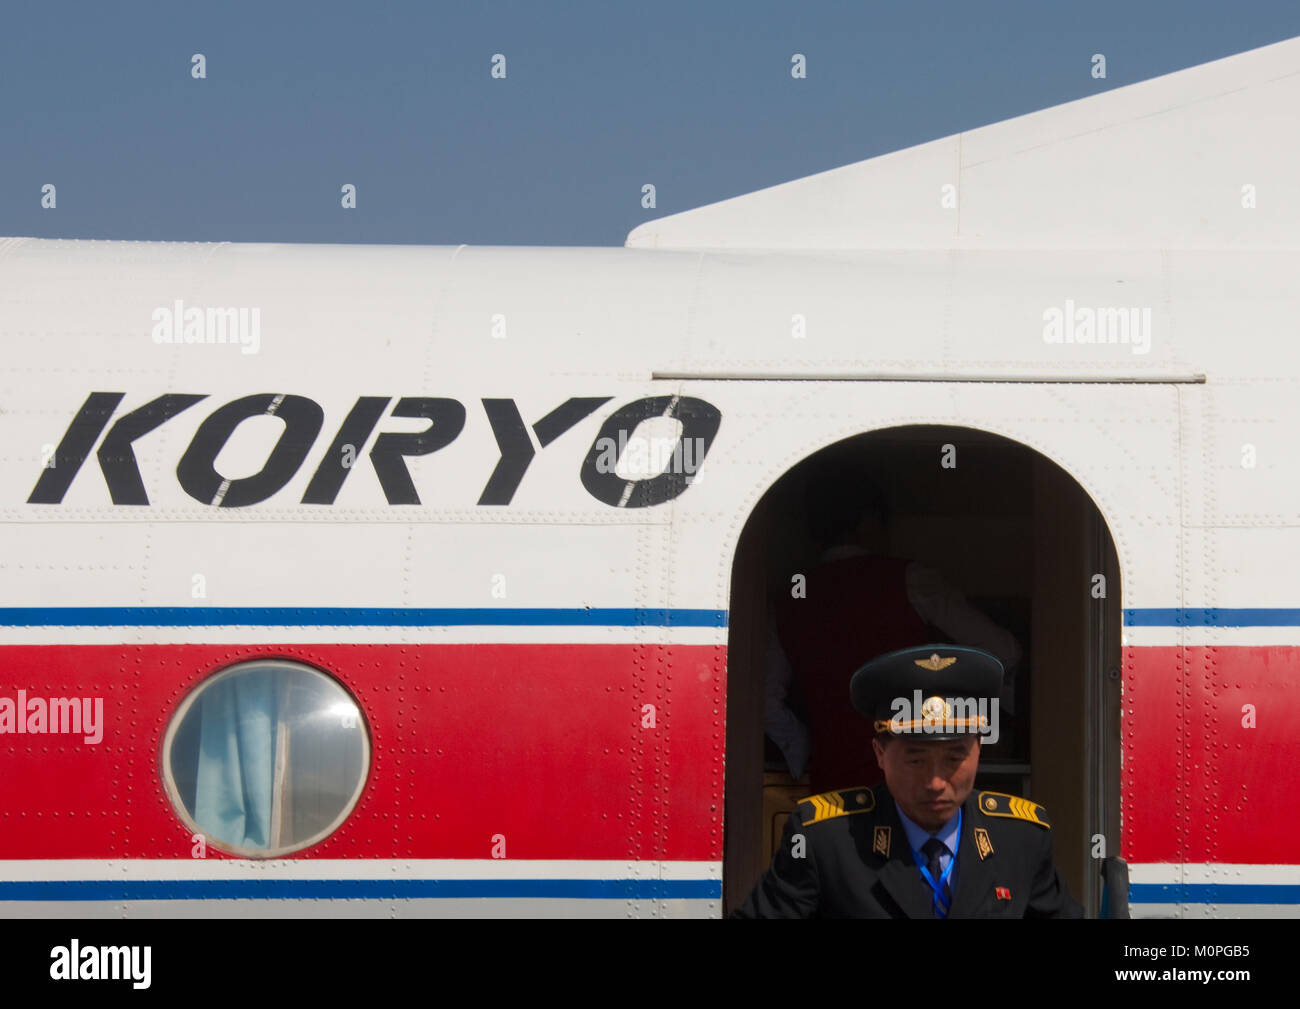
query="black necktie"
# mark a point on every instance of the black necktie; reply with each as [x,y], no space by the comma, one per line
[932,849]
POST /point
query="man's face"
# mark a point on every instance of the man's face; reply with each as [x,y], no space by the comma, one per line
[929,779]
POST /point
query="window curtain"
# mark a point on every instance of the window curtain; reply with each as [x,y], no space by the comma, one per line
[235,792]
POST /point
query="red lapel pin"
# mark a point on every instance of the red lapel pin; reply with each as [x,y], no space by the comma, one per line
[1002,893]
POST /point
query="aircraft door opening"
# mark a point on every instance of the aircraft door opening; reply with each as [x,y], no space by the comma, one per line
[968,538]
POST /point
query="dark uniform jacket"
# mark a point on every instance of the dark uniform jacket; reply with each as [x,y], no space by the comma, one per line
[856,863]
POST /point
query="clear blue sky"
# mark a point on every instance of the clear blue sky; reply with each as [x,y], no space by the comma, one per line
[600,97]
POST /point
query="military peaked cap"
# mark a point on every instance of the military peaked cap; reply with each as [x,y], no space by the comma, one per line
[938,692]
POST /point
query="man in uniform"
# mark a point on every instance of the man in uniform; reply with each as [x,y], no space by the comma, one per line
[924,844]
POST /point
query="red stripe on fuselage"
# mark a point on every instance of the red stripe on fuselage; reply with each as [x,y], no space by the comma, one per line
[544,745]
[1199,784]
[541,744]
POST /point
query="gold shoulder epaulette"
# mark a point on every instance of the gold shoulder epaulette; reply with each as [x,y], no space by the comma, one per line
[1001,804]
[829,805]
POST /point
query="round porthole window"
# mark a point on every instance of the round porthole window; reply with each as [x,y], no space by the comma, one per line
[266,757]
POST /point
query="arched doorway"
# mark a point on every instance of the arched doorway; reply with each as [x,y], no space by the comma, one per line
[1026,545]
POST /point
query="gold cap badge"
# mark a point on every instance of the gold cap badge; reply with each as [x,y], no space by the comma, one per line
[934,663]
[936,708]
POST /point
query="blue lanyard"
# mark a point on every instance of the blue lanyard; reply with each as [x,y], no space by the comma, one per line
[943,878]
